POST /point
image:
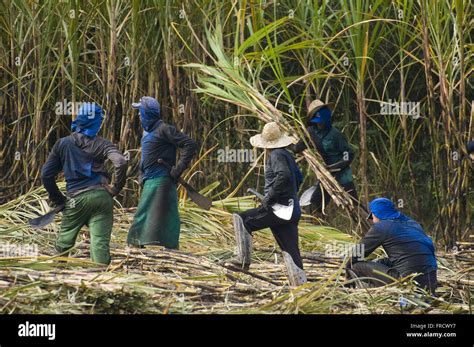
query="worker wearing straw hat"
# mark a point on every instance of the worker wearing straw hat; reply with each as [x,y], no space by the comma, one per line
[282,181]
[81,156]
[333,148]
[156,221]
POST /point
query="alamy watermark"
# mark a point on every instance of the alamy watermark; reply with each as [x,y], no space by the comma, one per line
[68,108]
[405,108]
[342,250]
[234,155]
[11,250]
[28,329]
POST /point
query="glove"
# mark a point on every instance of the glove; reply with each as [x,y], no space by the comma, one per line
[175,173]
[267,202]
[57,201]
[333,167]
[112,190]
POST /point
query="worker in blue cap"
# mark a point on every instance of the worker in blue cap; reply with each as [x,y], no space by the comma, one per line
[408,248]
[334,149]
[156,221]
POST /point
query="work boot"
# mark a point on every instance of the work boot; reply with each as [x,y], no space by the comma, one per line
[296,276]
[243,240]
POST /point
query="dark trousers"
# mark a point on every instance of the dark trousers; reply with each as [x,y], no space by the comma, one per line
[320,195]
[284,231]
[366,269]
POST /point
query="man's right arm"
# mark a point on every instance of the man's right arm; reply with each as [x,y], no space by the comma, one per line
[49,172]
[120,163]
[188,148]
[369,243]
[299,147]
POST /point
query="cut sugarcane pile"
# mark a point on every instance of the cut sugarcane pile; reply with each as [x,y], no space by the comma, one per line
[465,251]
[161,281]
[195,279]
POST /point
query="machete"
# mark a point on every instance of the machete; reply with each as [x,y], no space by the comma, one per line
[305,198]
[200,200]
[45,219]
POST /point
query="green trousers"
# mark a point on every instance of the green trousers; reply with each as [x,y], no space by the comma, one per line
[94,209]
[156,221]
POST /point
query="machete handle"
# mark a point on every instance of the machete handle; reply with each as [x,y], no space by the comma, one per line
[169,167]
[60,208]
[254,192]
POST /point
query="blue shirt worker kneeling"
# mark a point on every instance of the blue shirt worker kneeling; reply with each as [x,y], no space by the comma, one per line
[408,248]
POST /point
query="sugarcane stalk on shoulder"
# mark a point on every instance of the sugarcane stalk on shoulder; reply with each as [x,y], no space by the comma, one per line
[156,221]
[81,157]
[282,180]
[337,155]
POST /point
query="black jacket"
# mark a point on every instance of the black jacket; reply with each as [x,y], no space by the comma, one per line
[408,248]
[82,159]
[282,177]
[161,143]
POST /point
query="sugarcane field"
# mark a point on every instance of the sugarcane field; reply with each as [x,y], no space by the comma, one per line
[236,158]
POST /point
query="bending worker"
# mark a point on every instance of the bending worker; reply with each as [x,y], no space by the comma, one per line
[408,248]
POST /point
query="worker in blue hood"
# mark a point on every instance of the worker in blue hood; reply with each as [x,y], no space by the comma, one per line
[333,148]
[156,221]
[81,156]
[150,112]
[89,119]
[408,248]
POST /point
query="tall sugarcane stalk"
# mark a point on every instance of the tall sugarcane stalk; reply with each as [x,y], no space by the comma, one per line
[289,51]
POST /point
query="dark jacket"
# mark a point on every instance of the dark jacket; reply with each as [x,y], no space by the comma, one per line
[161,143]
[408,248]
[282,177]
[332,146]
[82,160]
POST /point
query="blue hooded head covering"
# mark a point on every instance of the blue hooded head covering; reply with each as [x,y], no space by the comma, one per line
[89,119]
[383,208]
[150,112]
[323,115]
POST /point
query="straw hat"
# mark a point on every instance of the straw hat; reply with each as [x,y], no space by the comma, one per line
[316,105]
[271,137]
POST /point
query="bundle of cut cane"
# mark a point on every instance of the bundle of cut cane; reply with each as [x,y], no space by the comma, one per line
[226,81]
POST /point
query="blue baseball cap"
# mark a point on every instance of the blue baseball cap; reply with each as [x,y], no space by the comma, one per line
[147,103]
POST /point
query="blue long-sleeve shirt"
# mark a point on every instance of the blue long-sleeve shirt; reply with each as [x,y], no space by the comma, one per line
[408,248]
[82,160]
[162,143]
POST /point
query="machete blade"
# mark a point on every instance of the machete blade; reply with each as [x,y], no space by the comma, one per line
[305,199]
[44,220]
